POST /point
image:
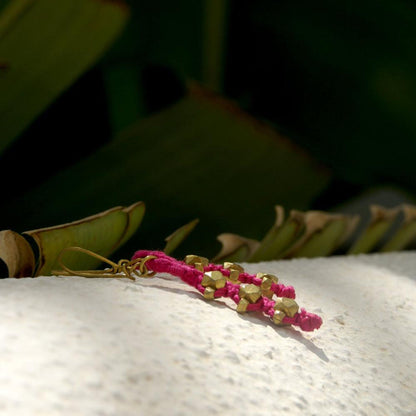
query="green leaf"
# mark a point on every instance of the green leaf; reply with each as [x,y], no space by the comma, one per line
[381,221]
[44,46]
[351,226]
[304,234]
[190,46]
[214,43]
[176,238]
[135,214]
[203,156]
[406,232]
[101,233]
[282,235]
[235,248]
[324,233]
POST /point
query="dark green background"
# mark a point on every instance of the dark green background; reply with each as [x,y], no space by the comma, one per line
[337,78]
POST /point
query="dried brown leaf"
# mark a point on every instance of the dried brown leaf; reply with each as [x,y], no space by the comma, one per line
[16,252]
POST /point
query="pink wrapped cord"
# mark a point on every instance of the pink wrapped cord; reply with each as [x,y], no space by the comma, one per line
[189,274]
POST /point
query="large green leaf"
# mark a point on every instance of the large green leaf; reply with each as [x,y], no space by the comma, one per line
[101,233]
[202,157]
[44,46]
[155,50]
[135,214]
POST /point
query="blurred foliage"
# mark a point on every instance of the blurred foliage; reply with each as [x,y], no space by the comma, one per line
[337,78]
[340,76]
[44,47]
[201,157]
[318,234]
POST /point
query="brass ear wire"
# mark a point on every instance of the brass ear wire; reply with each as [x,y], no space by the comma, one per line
[124,268]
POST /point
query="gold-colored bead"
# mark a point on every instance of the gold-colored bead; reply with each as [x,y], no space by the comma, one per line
[214,279]
[266,283]
[250,292]
[268,293]
[234,275]
[266,278]
[233,266]
[278,317]
[199,266]
[242,305]
[209,293]
[192,259]
[286,305]
[235,270]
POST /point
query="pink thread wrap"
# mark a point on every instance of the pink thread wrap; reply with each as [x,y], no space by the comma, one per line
[306,321]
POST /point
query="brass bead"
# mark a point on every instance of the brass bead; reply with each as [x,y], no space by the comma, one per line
[233,266]
[266,283]
[234,275]
[286,305]
[266,278]
[250,292]
[214,279]
[235,270]
[268,293]
[242,305]
[209,293]
[192,259]
[199,266]
[278,317]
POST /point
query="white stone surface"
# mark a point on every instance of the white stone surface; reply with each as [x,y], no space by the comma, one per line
[76,346]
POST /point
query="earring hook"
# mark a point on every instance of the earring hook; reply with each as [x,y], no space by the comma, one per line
[124,268]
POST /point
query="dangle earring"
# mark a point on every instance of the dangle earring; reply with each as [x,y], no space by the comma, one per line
[251,292]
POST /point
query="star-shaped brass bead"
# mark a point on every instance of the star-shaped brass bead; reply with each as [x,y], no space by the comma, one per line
[286,305]
[214,279]
[250,292]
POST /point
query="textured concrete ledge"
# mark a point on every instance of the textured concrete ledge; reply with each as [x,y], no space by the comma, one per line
[76,346]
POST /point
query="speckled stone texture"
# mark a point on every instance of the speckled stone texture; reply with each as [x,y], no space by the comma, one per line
[76,346]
